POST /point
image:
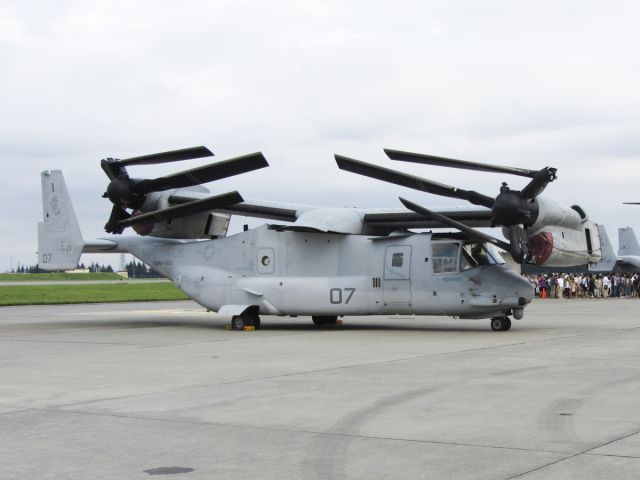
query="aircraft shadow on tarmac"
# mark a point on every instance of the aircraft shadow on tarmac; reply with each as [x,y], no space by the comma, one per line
[301,325]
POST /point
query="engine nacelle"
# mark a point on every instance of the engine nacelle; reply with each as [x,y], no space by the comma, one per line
[563,247]
[201,225]
[556,214]
[562,236]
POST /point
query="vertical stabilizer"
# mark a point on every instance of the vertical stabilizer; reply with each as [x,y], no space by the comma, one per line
[628,243]
[60,242]
[609,258]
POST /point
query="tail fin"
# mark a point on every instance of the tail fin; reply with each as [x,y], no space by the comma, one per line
[609,259]
[60,242]
[628,243]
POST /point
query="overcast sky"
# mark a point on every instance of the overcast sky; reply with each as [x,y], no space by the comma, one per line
[528,84]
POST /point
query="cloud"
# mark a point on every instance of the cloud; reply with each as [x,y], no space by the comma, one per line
[527,84]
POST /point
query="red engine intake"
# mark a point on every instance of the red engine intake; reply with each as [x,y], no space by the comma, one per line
[142,229]
[541,245]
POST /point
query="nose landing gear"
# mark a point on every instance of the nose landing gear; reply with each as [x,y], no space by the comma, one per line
[500,323]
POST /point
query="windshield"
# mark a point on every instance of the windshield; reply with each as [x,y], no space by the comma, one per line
[479,254]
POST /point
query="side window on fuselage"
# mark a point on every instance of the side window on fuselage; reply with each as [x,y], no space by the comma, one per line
[445,257]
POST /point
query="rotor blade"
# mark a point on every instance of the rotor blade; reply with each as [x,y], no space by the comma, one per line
[411,181]
[468,231]
[450,162]
[204,174]
[118,214]
[164,157]
[536,186]
[184,210]
[631,203]
[519,244]
[110,167]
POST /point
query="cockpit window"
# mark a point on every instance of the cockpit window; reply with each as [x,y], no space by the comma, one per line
[445,257]
[494,253]
[478,254]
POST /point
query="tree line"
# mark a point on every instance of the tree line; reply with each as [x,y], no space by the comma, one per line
[141,270]
[134,269]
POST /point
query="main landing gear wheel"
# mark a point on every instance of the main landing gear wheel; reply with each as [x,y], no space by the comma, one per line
[245,319]
[324,320]
[500,324]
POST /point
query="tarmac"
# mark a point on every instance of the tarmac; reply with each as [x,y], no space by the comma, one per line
[163,390]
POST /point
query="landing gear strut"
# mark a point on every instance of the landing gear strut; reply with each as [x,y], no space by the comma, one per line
[248,318]
[500,324]
[324,320]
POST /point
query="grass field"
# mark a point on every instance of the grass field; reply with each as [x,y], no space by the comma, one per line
[44,277]
[118,292]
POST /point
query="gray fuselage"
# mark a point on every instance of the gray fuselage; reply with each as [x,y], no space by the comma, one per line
[299,273]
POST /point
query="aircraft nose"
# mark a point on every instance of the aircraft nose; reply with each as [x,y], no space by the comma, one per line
[524,290]
[517,290]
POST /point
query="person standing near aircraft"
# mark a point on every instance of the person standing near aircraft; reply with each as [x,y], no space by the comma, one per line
[542,285]
[599,287]
[605,286]
[588,286]
[627,286]
[560,290]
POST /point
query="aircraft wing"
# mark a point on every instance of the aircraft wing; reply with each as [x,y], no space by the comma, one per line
[400,218]
[283,212]
[298,216]
[344,219]
[629,260]
[356,220]
[267,210]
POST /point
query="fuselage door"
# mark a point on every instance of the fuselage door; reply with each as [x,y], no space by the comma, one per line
[397,275]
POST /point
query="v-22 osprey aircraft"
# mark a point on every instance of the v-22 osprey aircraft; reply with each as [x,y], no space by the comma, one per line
[326,262]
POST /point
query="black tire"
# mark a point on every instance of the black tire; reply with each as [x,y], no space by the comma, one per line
[237,322]
[248,318]
[324,320]
[497,324]
[500,324]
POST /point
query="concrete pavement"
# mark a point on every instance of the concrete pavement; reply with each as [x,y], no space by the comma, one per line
[162,389]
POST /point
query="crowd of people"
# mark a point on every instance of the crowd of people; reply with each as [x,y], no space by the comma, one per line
[586,285]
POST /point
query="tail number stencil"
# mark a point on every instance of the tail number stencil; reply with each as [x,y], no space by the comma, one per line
[341,295]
